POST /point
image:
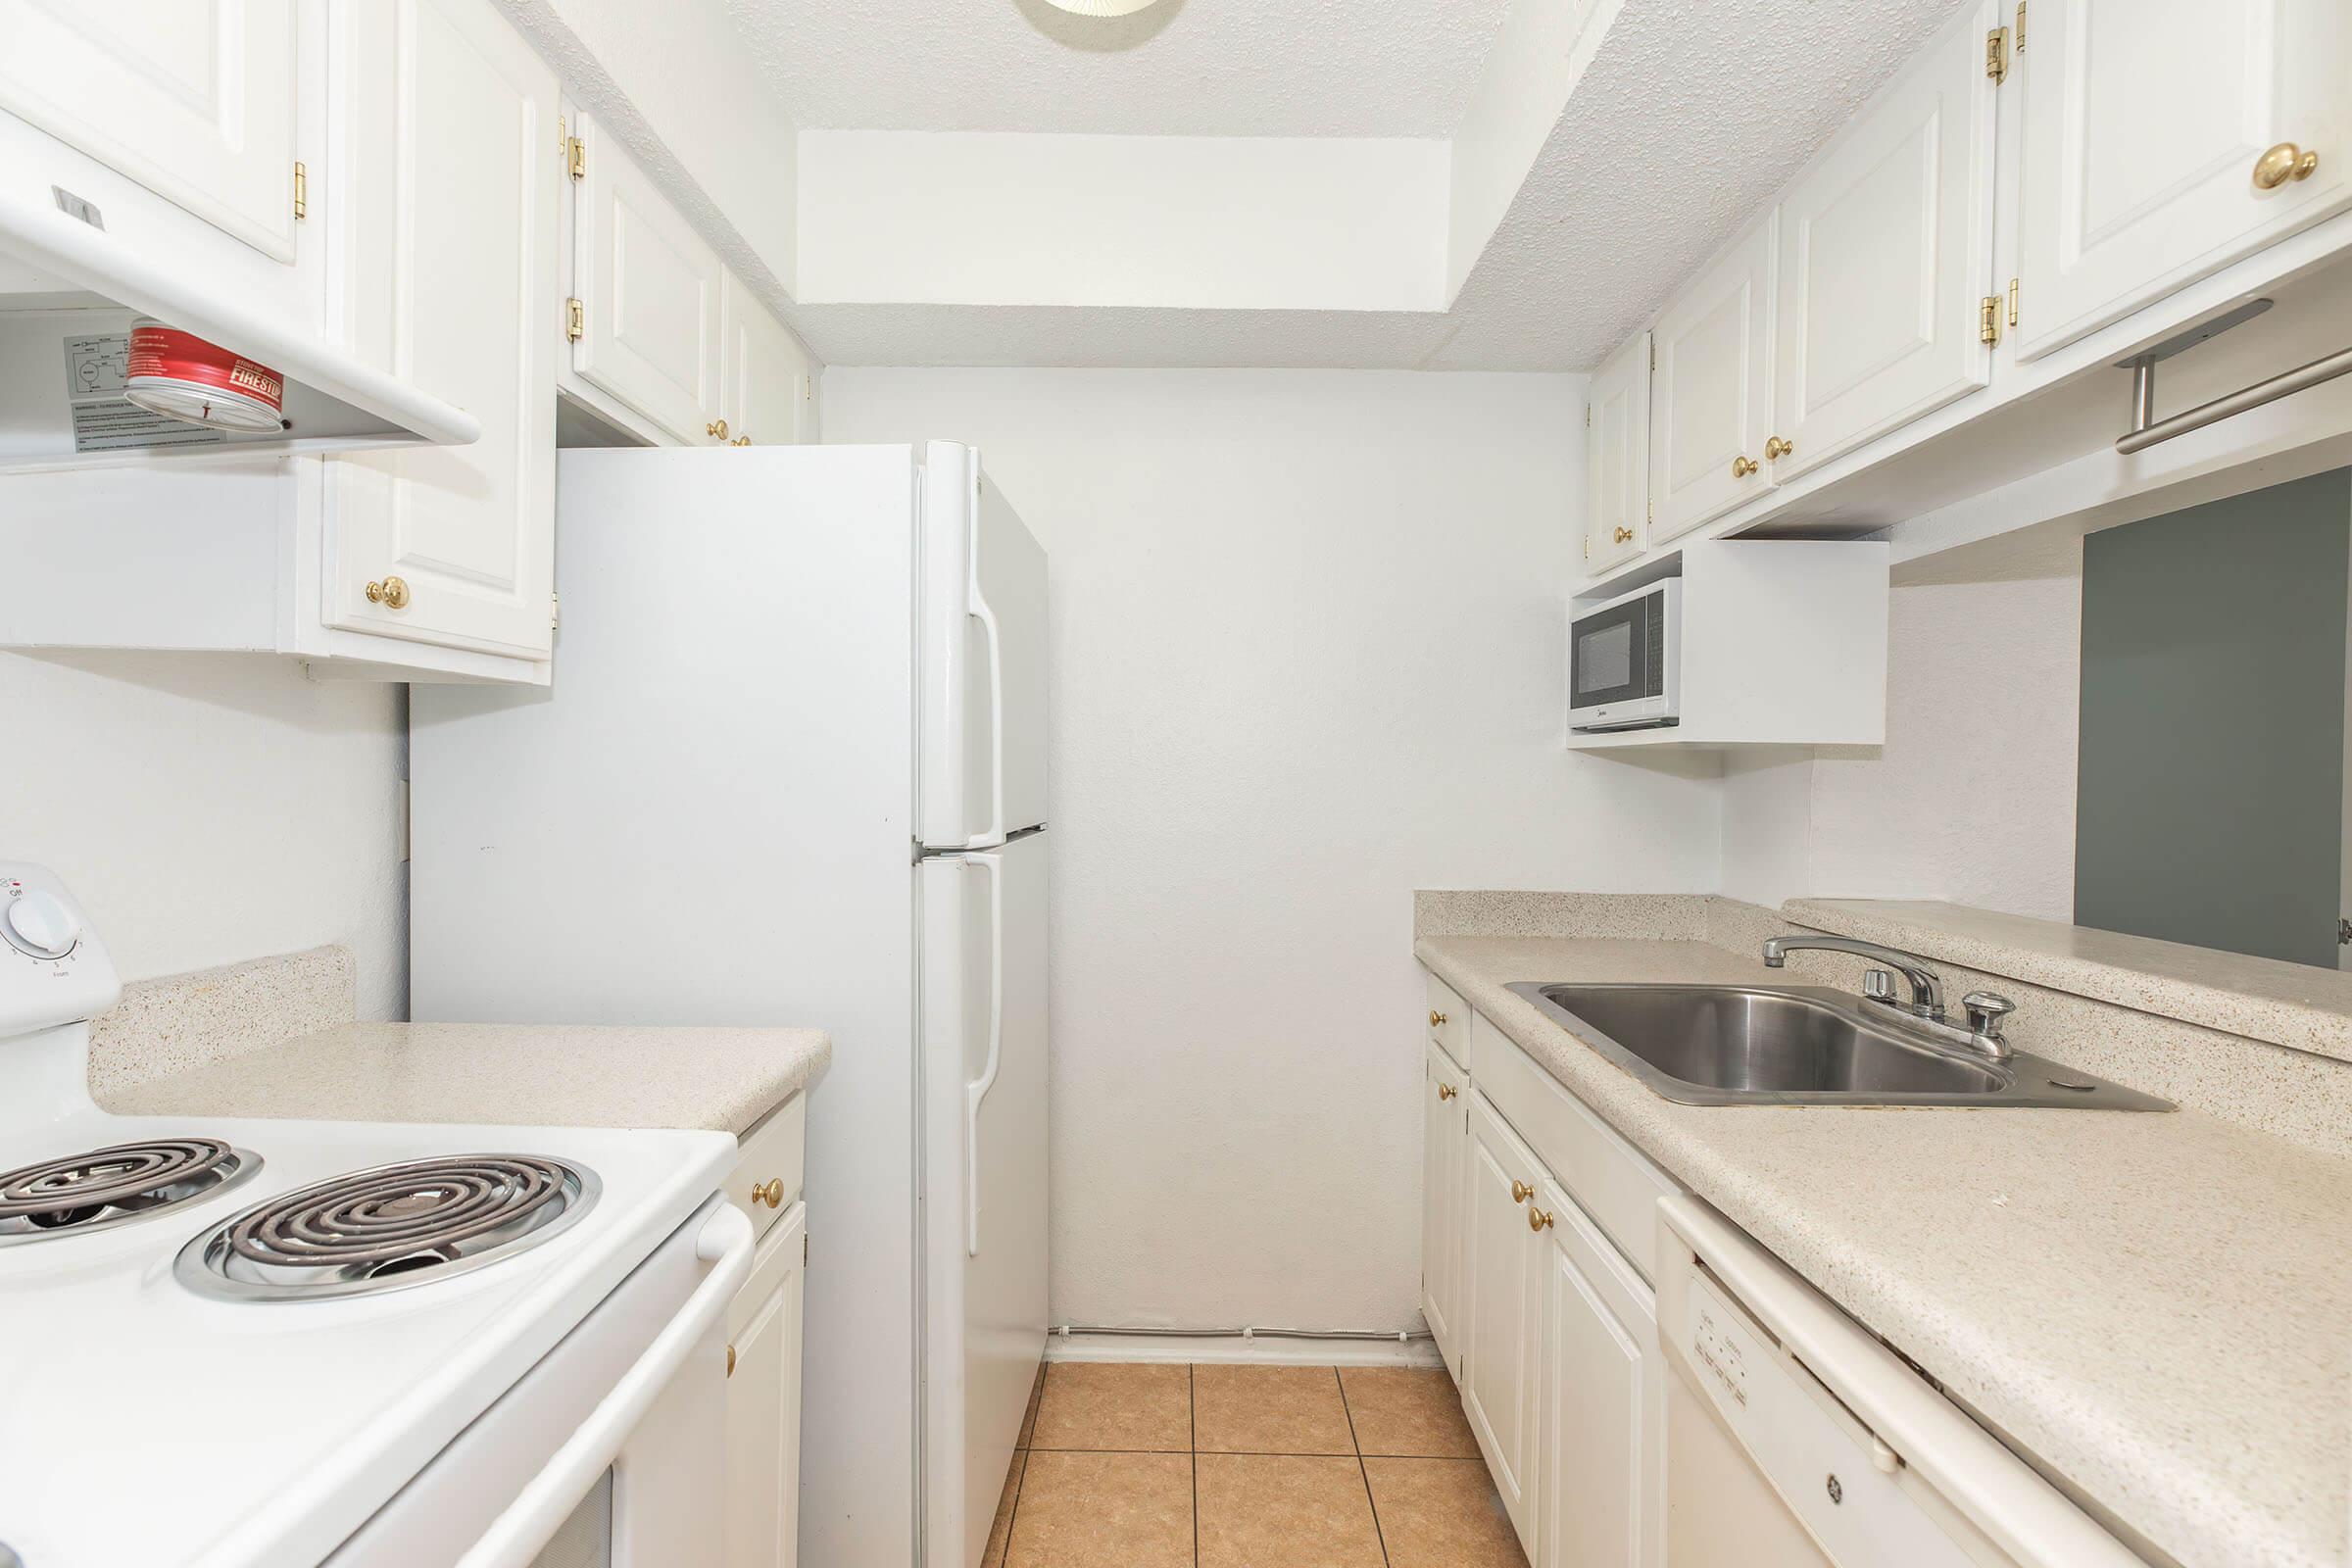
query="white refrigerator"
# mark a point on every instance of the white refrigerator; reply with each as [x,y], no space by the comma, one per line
[792,771]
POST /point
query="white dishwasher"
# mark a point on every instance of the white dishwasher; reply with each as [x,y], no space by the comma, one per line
[1794,1439]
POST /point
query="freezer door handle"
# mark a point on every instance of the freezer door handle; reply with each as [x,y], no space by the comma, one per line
[982,612]
[978,1090]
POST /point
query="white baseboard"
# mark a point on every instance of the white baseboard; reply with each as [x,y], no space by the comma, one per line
[1234,1350]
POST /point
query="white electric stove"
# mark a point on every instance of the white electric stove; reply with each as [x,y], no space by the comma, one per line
[282,1343]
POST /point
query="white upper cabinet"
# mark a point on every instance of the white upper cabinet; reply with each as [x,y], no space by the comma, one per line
[446,222]
[765,393]
[1711,389]
[1886,249]
[649,290]
[1617,457]
[2147,127]
[197,100]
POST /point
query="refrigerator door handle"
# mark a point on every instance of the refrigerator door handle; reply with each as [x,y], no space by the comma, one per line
[978,1090]
[981,611]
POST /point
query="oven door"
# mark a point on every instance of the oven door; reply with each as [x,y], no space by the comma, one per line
[609,1453]
[1619,661]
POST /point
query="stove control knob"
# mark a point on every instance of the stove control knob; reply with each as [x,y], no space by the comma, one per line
[40,924]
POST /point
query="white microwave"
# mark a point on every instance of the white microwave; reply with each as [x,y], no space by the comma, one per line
[1625,659]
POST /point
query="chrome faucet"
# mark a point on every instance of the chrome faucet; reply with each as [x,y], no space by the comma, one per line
[1985,1009]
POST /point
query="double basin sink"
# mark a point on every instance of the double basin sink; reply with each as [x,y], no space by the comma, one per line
[1802,1046]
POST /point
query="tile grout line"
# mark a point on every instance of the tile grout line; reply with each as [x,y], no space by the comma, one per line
[1362,1471]
[1191,1412]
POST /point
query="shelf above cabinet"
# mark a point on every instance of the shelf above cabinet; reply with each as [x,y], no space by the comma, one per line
[62,279]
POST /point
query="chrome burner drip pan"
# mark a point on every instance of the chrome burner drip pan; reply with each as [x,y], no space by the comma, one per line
[75,1195]
[387,1228]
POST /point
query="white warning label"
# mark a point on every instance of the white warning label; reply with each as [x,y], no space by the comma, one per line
[103,422]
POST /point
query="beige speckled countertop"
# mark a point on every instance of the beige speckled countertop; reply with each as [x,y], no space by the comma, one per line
[542,1075]
[2158,1307]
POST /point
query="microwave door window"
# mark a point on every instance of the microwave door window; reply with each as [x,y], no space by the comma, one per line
[1602,665]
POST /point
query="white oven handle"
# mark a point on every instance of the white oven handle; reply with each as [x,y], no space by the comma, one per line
[516,1536]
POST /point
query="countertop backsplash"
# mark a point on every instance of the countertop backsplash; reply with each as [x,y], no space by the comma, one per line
[190,1021]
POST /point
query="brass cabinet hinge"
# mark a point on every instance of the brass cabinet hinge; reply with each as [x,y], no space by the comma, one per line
[1587,547]
[2013,301]
[576,320]
[803,1249]
[2017,44]
[301,192]
[555,610]
[1989,320]
[575,158]
[1996,54]
[1588,415]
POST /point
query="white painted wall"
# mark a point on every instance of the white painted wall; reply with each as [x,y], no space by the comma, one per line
[1197,222]
[1308,633]
[208,807]
[1972,799]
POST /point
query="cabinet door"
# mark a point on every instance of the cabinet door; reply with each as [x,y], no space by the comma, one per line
[195,99]
[1711,390]
[1444,1134]
[1603,1401]
[1617,457]
[764,374]
[2143,124]
[763,1402]
[649,296]
[445,228]
[1886,251]
[1503,1307]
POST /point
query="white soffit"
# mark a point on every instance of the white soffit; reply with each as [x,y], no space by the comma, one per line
[1606,149]
[1183,67]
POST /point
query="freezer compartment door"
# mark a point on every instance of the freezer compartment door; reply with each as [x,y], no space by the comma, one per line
[984,1172]
[982,636]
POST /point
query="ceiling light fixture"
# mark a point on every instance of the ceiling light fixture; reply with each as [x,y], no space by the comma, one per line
[1102,8]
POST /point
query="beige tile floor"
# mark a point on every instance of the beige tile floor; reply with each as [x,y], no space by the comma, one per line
[1148,1466]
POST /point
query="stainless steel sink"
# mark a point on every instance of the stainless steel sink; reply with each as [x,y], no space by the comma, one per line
[1802,1046]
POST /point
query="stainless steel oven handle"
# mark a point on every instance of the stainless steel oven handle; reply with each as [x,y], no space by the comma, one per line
[515,1537]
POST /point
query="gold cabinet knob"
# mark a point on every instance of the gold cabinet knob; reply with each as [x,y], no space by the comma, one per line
[739,441]
[1742,466]
[1775,448]
[1538,1220]
[1521,1191]
[770,1192]
[1436,1018]
[730,1360]
[1623,536]
[392,593]
[717,428]
[2283,163]
[1446,1090]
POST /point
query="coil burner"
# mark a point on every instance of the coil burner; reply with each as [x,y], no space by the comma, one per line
[387,1228]
[75,1195]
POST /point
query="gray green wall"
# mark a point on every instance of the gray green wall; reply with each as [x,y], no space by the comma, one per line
[2211,790]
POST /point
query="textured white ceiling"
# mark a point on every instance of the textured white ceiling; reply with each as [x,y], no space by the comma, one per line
[1184,67]
[1690,120]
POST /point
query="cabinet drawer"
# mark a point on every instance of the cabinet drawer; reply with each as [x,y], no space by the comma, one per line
[771,1152]
[1607,1176]
[1448,1021]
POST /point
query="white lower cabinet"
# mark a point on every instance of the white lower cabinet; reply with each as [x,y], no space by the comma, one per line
[763,1401]
[1553,1326]
[1503,1310]
[1601,1481]
[1444,1134]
